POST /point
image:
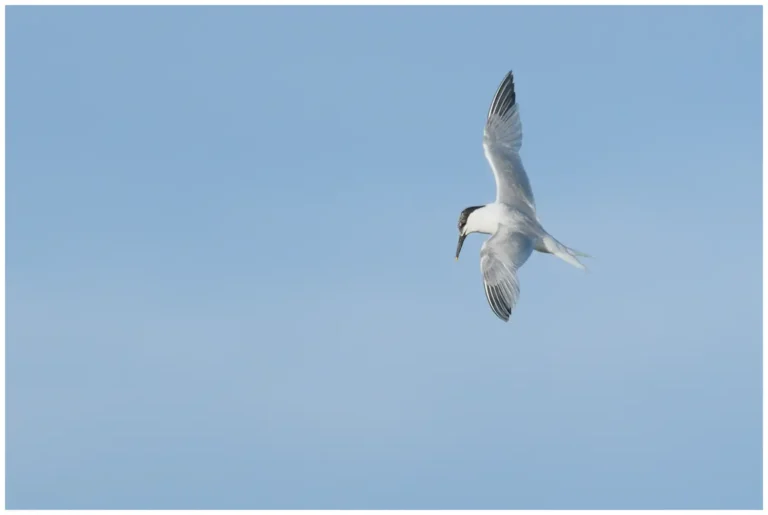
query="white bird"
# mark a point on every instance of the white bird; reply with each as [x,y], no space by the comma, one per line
[512,218]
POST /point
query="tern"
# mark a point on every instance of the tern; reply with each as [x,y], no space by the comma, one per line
[511,219]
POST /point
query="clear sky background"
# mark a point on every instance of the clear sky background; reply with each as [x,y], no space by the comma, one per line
[230,259]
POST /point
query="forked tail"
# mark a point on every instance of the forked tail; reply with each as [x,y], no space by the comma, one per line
[549,244]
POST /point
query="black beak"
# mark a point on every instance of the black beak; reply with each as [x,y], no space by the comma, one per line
[461,242]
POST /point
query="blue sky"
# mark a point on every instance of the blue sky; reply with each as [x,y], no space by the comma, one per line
[230,273]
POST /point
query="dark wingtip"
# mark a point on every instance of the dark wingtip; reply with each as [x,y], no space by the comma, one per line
[498,303]
[504,98]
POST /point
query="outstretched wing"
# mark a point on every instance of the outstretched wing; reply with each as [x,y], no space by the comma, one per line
[500,258]
[502,139]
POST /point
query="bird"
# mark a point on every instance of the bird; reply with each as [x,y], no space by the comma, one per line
[511,219]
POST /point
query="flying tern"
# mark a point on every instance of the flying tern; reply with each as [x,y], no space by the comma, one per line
[511,220]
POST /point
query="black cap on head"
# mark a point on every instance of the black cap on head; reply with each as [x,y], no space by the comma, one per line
[465,215]
[462,222]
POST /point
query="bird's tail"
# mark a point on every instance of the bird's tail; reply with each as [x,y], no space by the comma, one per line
[568,255]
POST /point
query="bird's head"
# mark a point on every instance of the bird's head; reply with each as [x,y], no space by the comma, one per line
[465,226]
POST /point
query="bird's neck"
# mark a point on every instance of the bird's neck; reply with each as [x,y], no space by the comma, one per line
[483,220]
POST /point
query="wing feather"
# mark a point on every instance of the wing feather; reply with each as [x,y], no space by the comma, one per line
[502,139]
[500,258]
